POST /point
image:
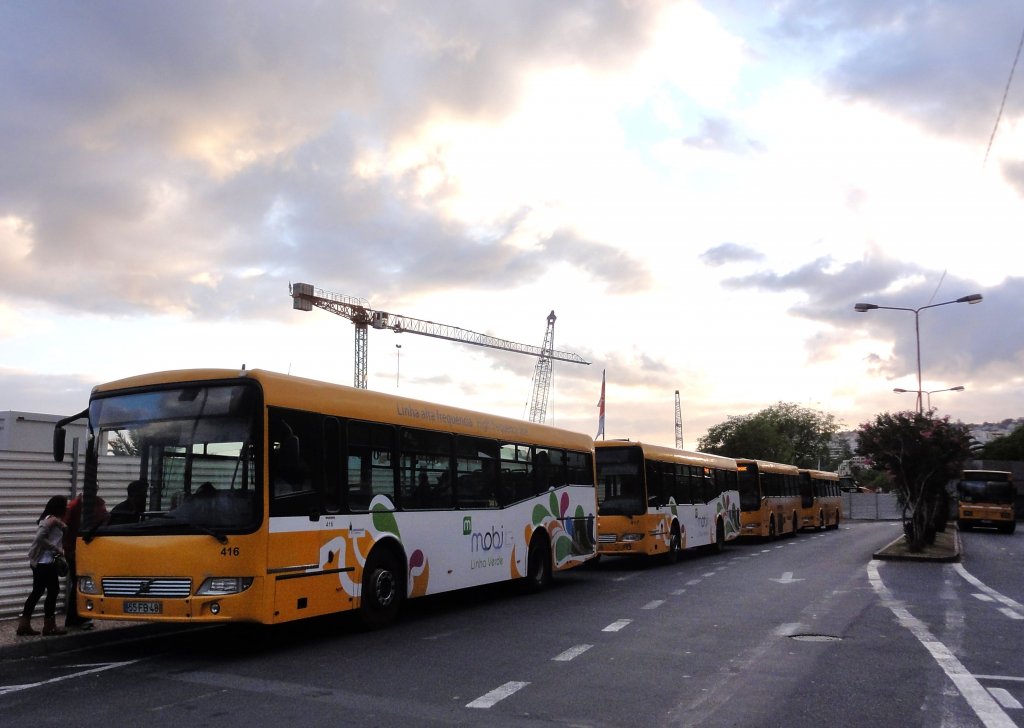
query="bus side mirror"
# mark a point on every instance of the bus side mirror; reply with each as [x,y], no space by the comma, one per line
[59,438]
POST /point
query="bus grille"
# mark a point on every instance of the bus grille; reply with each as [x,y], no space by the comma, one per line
[140,586]
[606,538]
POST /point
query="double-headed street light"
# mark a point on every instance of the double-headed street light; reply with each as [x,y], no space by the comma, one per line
[958,388]
[864,307]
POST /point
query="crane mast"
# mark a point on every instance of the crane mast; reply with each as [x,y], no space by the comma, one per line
[679,423]
[542,375]
[358,311]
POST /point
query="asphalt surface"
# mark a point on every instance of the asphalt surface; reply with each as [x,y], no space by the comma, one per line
[946,548]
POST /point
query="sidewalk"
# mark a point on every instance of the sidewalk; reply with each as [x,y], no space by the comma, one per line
[103,631]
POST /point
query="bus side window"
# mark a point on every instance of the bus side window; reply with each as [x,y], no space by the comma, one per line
[369,464]
[476,473]
[296,462]
[516,471]
[579,468]
[425,469]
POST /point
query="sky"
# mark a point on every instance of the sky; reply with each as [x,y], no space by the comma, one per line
[700,191]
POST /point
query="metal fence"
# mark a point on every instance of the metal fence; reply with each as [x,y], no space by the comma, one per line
[27,481]
[871,507]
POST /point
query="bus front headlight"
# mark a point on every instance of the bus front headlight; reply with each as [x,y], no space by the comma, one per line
[223,585]
[632,537]
[86,585]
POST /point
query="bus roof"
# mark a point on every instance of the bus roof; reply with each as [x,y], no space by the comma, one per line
[820,474]
[977,474]
[670,454]
[285,390]
[767,466]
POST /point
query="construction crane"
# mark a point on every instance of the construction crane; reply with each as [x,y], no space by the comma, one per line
[679,423]
[542,375]
[358,311]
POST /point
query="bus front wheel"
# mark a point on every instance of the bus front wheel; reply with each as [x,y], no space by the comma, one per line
[675,546]
[382,590]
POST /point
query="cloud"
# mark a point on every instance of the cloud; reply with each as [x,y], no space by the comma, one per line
[721,134]
[945,64]
[730,253]
[193,157]
[957,341]
[42,393]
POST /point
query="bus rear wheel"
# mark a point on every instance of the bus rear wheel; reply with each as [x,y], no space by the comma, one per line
[538,565]
[719,544]
[383,592]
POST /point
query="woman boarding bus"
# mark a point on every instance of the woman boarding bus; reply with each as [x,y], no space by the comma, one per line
[269,498]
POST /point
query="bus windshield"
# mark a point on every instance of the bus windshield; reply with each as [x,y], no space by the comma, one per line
[620,482]
[986,491]
[177,460]
[750,488]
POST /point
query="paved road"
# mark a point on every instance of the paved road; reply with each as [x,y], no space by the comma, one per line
[797,632]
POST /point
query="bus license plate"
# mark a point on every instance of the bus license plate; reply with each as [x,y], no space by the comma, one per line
[143,607]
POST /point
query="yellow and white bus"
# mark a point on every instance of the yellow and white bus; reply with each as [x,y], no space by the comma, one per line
[821,501]
[986,499]
[769,498]
[271,498]
[655,500]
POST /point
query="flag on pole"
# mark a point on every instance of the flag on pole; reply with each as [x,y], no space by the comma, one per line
[600,404]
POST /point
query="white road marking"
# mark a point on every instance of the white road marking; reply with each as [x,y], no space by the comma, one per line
[984,706]
[653,604]
[678,592]
[693,582]
[1006,678]
[497,695]
[4,690]
[1011,613]
[788,630]
[787,578]
[1005,699]
[617,625]
[571,653]
[983,597]
[978,584]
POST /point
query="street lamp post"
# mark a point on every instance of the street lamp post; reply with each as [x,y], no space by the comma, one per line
[958,388]
[865,307]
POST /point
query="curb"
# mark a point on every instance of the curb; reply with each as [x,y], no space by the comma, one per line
[891,553]
[76,640]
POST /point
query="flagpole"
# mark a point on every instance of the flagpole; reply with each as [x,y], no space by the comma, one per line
[600,416]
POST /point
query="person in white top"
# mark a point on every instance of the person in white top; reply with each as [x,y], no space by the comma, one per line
[42,557]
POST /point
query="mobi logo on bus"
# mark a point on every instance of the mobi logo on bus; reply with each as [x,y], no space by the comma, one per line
[493,539]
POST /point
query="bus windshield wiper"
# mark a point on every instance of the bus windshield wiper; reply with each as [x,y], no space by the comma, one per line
[199,527]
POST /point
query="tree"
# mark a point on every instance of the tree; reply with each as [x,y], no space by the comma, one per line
[123,442]
[921,454]
[782,433]
[1007,447]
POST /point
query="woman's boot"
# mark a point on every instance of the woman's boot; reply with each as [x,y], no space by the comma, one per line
[50,626]
[25,627]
